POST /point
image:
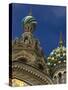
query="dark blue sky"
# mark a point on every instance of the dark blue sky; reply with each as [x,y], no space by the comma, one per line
[51,20]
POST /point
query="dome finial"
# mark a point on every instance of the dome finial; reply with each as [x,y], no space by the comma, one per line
[30,12]
[60,41]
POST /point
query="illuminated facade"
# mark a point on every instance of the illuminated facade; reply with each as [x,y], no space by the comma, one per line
[29,66]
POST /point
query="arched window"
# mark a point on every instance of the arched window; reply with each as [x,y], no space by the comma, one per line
[59,77]
[26,38]
[40,66]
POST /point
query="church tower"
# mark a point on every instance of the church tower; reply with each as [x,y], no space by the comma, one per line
[28,60]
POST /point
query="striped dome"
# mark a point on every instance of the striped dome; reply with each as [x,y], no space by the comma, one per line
[29,20]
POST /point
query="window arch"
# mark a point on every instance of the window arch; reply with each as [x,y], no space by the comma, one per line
[59,77]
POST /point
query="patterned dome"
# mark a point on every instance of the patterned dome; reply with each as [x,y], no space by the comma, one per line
[29,23]
[58,55]
[29,19]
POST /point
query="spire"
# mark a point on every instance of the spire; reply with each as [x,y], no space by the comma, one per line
[30,12]
[60,41]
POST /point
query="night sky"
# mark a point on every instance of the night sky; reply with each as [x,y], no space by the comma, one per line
[51,20]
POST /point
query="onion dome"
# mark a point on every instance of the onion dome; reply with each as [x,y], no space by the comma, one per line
[58,55]
[29,23]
